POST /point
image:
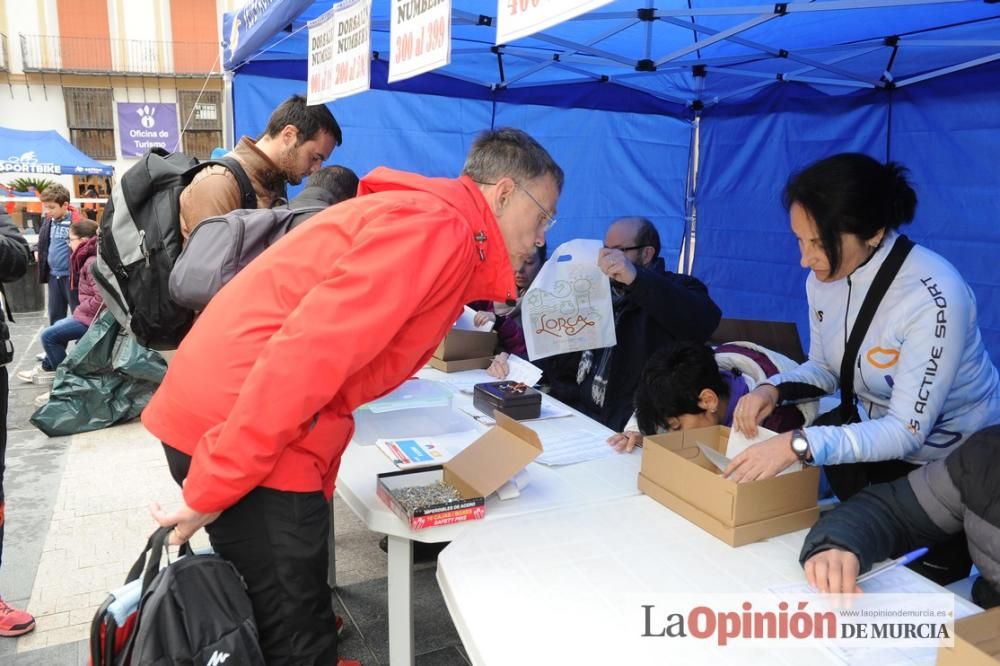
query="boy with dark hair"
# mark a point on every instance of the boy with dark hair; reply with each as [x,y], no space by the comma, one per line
[688,385]
[298,139]
[53,251]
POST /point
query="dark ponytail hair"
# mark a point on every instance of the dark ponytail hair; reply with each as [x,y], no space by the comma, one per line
[852,193]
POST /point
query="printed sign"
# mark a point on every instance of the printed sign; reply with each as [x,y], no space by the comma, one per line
[520,18]
[142,126]
[340,52]
[419,37]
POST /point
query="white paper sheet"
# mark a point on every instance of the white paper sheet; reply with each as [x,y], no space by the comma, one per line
[467,322]
[523,371]
[738,443]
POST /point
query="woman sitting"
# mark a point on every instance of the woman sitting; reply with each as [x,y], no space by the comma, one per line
[689,385]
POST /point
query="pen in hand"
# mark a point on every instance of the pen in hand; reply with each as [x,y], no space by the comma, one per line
[899,561]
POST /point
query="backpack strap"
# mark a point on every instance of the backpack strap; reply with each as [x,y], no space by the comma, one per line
[886,274]
[149,559]
[248,196]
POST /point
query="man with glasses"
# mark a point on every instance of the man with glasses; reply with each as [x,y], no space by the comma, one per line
[255,409]
[652,307]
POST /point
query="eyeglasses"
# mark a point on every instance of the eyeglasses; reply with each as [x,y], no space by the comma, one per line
[627,249]
[550,221]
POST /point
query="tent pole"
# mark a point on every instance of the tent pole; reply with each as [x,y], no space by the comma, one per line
[685,260]
[228,123]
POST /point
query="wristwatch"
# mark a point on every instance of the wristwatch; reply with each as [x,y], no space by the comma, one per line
[800,446]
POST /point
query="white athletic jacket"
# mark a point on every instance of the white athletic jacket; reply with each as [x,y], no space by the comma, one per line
[923,378]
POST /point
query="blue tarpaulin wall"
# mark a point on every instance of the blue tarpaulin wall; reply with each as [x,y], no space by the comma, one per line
[946,131]
[617,163]
[778,95]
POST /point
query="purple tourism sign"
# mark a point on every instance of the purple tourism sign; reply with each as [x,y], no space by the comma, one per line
[143,125]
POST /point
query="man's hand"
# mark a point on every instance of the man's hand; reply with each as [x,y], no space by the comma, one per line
[616,265]
[762,460]
[834,571]
[753,408]
[499,368]
[186,521]
[624,442]
[482,317]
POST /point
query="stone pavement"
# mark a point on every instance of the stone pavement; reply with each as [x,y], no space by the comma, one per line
[77,518]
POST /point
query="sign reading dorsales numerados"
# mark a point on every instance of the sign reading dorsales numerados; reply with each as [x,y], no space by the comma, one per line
[520,18]
[420,37]
[340,52]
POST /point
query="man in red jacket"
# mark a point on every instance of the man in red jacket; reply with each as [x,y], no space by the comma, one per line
[255,409]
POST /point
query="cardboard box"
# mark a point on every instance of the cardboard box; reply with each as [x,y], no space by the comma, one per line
[676,474]
[977,641]
[461,345]
[460,366]
[484,466]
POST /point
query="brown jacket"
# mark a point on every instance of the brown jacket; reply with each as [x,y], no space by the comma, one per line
[214,190]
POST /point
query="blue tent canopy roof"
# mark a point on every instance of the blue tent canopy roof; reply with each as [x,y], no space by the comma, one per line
[45,153]
[702,53]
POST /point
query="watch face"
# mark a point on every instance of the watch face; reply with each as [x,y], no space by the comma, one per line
[799,444]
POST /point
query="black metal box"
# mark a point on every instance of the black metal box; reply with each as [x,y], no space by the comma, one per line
[518,401]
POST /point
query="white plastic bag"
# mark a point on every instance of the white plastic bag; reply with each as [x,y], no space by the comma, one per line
[568,307]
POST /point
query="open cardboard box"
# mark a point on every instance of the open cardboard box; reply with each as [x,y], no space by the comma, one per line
[464,350]
[977,641]
[484,466]
[676,474]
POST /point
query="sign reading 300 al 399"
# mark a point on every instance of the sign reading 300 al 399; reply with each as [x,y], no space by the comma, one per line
[340,52]
[419,37]
[142,126]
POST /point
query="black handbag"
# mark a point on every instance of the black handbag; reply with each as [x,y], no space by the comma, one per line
[849,478]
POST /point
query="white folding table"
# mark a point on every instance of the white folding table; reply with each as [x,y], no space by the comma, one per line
[549,489]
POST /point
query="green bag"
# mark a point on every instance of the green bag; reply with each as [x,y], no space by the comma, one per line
[107,378]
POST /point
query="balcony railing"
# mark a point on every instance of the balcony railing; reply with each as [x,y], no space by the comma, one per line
[4,63]
[87,55]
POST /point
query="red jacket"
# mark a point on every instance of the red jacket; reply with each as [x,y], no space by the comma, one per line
[339,312]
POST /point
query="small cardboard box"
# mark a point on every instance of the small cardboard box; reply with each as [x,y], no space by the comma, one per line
[461,345]
[676,474]
[977,641]
[460,366]
[484,466]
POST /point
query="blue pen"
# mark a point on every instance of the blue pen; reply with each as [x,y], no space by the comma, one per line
[899,561]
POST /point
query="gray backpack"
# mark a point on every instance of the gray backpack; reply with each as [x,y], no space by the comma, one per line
[220,247]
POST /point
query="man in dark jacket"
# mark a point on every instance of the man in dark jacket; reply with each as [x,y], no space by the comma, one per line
[14,254]
[326,187]
[652,307]
[926,507]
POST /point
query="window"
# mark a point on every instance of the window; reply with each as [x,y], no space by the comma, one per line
[203,116]
[90,117]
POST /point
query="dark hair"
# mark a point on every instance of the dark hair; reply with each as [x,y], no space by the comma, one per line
[84,228]
[851,193]
[511,153]
[648,235]
[56,194]
[671,382]
[310,120]
[339,181]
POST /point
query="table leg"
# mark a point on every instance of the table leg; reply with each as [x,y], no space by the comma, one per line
[400,601]
[331,571]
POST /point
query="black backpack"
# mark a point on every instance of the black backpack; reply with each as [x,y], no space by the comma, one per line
[140,239]
[194,611]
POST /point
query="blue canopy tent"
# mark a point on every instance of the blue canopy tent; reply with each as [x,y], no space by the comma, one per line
[45,153]
[692,113]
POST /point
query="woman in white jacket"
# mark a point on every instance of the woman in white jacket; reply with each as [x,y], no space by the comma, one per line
[922,378]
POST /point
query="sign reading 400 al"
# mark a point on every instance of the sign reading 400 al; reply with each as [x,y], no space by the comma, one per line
[520,18]
[420,37]
[340,52]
